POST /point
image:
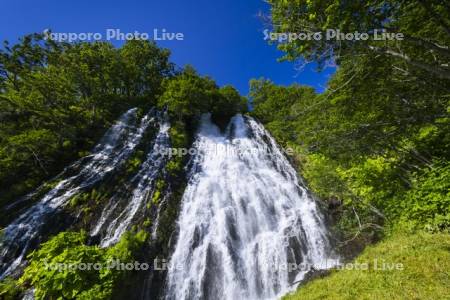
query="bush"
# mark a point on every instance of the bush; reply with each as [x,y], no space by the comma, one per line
[427,204]
[72,283]
[188,95]
[9,289]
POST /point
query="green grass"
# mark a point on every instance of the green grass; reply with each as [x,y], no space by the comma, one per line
[425,275]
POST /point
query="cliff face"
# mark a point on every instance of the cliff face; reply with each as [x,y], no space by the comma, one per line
[127,184]
[196,196]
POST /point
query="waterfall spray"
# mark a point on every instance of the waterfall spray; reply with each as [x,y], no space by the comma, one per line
[244,218]
[114,149]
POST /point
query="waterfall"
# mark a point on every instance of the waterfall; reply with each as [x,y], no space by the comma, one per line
[116,220]
[113,149]
[244,218]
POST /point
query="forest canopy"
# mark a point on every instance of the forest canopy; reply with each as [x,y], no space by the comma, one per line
[379,135]
[57,98]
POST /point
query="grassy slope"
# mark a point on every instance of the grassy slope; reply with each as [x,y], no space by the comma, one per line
[426,273]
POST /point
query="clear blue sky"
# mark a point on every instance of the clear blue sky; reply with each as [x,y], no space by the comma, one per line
[223,39]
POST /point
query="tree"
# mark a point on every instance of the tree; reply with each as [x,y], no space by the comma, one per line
[423,24]
[188,95]
[56,99]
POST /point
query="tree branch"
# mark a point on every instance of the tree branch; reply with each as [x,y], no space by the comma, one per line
[443,50]
[441,21]
[423,66]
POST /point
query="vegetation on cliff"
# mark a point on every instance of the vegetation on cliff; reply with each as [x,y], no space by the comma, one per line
[377,140]
[56,100]
[375,144]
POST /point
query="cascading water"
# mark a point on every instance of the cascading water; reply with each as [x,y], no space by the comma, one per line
[114,148]
[116,220]
[244,219]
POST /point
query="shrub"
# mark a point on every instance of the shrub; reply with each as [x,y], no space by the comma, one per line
[427,204]
[69,248]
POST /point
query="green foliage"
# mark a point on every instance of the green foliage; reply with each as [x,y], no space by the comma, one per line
[427,204]
[383,121]
[372,180]
[322,177]
[188,95]
[156,197]
[145,66]
[230,101]
[274,105]
[272,102]
[147,223]
[159,188]
[423,24]
[30,151]
[226,104]
[72,283]
[351,193]
[174,165]
[9,289]
[84,198]
[359,148]
[425,259]
[377,104]
[56,99]
[178,135]
[179,138]
[66,248]
[133,164]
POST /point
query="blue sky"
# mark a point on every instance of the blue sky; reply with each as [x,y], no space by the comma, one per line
[222,39]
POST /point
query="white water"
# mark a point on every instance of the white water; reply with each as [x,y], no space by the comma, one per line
[114,148]
[145,178]
[244,217]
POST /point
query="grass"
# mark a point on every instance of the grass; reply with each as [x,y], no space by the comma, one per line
[426,272]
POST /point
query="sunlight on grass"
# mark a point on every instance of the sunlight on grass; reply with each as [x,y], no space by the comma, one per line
[425,275]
